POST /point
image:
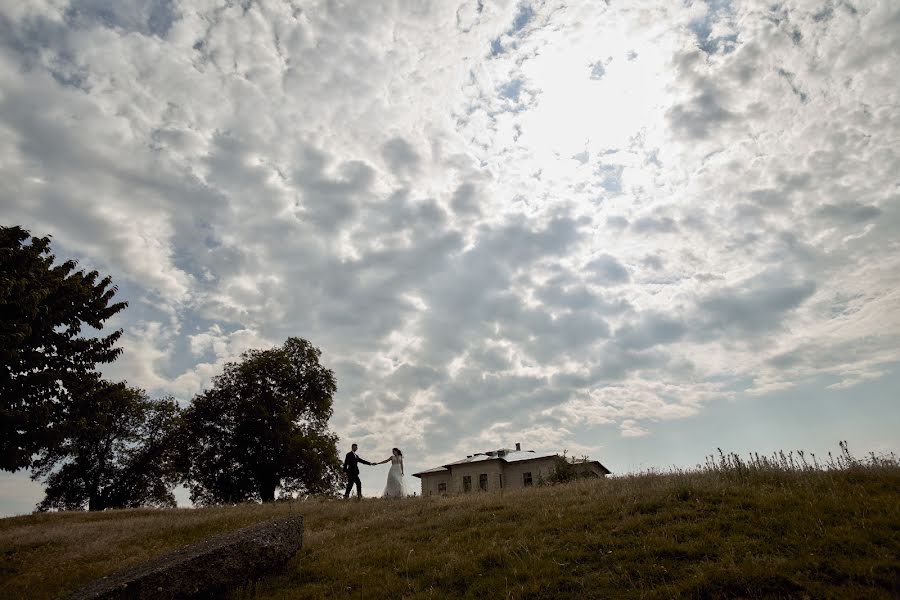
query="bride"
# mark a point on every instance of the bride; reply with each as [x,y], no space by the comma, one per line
[395,486]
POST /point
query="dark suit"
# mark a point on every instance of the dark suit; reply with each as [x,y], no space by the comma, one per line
[351,468]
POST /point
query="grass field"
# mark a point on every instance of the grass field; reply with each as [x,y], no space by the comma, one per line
[757,528]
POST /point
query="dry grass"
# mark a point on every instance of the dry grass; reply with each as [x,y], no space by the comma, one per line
[47,554]
[725,530]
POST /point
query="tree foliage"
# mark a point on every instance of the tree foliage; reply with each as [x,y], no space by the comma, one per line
[118,449]
[566,470]
[263,425]
[42,350]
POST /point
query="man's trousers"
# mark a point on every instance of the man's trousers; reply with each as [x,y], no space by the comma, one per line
[351,479]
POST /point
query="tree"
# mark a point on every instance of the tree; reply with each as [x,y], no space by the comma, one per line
[42,352]
[263,425]
[118,449]
[567,470]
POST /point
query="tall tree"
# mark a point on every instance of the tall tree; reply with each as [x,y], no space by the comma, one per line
[263,425]
[42,352]
[118,449]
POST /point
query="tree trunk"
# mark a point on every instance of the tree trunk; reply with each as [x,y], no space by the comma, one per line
[95,498]
[267,489]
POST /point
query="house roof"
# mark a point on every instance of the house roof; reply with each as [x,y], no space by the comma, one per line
[504,455]
[431,471]
[596,462]
[514,456]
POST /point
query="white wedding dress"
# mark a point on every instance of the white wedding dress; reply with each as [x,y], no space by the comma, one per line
[395,486]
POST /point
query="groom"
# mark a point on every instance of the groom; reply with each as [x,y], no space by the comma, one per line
[351,471]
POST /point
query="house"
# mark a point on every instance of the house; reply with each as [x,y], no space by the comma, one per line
[499,469]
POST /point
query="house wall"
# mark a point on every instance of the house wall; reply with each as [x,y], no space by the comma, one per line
[431,481]
[511,474]
[491,468]
[514,471]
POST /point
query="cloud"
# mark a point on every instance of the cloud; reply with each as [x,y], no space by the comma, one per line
[153,17]
[608,270]
[697,117]
[654,225]
[465,199]
[651,330]
[630,428]
[756,305]
[848,213]
[400,155]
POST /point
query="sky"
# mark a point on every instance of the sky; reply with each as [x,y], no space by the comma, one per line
[637,231]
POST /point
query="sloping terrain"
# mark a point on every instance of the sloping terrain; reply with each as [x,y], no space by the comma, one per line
[752,533]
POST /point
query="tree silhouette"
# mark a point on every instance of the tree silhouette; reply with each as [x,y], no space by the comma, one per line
[118,449]
[42,352]
[263,425]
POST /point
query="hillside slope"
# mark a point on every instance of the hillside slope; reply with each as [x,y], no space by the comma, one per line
[694,534]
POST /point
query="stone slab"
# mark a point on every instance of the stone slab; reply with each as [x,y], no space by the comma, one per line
[207,569]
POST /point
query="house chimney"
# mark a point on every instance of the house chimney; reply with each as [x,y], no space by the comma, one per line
[518,447]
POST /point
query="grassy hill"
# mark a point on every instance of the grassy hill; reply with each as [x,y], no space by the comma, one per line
[734,528]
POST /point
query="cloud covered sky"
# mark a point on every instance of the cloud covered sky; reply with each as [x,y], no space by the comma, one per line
[626,229]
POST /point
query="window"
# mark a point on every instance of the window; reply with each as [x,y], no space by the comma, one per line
[482,481]
[526,478]
[442,488]
[467,483]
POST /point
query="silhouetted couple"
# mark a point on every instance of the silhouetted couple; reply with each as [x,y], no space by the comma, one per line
[395,486]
